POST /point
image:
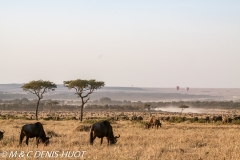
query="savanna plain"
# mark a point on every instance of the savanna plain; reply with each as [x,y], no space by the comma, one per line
[186,140]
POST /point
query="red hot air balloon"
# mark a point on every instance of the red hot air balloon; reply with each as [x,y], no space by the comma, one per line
[187,88]
[177,87]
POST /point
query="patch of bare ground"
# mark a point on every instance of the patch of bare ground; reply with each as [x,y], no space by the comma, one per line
[174,141]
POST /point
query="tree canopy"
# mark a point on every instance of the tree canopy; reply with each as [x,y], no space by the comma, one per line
[183,107]
[83,89]
[39,88]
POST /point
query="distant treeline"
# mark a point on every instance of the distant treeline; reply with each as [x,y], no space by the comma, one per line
[25,104]
[107,103]
[120,96]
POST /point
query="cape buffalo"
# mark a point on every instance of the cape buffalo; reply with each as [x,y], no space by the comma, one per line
[1,135]
[34,130]
[102,129]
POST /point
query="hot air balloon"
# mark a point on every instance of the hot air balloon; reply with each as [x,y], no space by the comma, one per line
[187,88]
[177,87]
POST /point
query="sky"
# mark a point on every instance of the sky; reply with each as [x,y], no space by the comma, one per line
[137,43]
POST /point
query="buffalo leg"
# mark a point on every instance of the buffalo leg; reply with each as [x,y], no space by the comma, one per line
[101,140]
[27,140]
[37,141]
[21,138]
[92,139]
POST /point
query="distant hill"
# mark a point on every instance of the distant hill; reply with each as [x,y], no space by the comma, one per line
[16,88]
[14,91]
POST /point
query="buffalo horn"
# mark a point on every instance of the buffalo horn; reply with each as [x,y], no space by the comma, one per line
[117,136]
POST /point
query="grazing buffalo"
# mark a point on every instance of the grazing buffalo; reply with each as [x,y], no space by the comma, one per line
[1,135]
[102,129]
[34,130]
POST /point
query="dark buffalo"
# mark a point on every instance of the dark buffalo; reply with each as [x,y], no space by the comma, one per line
[34,130]
[1,135]
[102,129]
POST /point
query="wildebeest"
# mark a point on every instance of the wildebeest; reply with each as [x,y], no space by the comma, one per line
[134,117]
[207,119]
[34,130]
[236,118]
[217,118]
[151,123]
[1,135]
[165,118]
[154,122]
[195,119]
[102,129]
[139,118]
[226,120]
[157,123]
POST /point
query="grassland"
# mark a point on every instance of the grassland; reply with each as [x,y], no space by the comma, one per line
[176,141]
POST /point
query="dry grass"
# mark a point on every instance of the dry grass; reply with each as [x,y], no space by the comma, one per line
[187,141]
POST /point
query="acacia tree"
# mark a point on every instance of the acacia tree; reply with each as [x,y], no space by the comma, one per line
[39,88]
[183,107]
[83,89]
[148,106]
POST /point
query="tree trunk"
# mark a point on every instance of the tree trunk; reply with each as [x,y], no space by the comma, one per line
[81,116]
[37,109]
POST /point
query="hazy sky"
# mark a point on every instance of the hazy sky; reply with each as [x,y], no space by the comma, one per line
[194,43]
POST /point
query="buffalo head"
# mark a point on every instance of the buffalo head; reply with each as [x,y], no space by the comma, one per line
[46,141]
[115,139]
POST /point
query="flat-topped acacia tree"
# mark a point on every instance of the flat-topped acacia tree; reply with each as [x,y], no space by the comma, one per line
[183,107]
[83,89]
[39,88]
